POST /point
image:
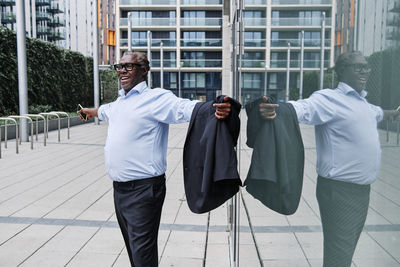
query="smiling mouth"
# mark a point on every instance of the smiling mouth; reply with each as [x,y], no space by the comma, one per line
[124,79]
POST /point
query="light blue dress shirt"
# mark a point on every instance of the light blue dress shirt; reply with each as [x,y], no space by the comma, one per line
[346,134]
[137,138]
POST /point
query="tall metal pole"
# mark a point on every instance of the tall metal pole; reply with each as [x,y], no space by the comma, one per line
[149,57]
[287,73]
[96,59]
[179,82]
[161,65]
[22,70]
[33,14]
[321,79]
[301,65]
[129,32]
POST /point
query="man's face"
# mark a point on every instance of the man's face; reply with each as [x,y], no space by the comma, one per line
[356,74]
[130,79]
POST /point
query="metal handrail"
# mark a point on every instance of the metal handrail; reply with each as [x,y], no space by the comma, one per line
[24,117]
[5,133]
[37,116]
[47,123]
[66,114]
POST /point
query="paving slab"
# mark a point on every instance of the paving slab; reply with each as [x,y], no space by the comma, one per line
[57,210]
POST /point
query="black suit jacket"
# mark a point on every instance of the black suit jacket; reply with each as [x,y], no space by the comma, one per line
[209,157]
[275,176]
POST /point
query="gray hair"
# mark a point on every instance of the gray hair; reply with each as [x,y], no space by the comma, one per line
[345,60]
[141,59]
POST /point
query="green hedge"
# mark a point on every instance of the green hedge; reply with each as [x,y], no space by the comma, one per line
[57,77]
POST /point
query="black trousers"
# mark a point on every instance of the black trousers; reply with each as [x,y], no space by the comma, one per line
[343,208]
[138,207]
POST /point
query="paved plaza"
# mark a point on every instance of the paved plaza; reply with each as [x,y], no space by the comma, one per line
[56,209]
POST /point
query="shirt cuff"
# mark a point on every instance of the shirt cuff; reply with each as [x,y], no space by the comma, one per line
[100,112]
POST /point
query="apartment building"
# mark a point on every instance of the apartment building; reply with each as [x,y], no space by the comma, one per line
[67,23]
[43,19]
[192,35]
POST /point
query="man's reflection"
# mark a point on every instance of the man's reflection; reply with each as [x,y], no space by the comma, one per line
[348,153]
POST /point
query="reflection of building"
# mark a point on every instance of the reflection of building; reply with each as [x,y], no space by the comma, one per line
[345,26]
[393,24]
[269,26]
[376,25]
[192,34]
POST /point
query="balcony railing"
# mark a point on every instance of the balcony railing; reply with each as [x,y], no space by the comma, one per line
[254,42]
[8,17]
[149,22]
[43,30]
[56,22]
[42,16]
[255,2]
[201,42]
[253,63]
[54,8]
[255,22]
[168,63]
[57,36]
[201,2]
[201,63]
[299,21]
[42,2]
[7,2]
[301,2]
[201,21]
[154,42]
[296,63]
[148,2]
[297,42]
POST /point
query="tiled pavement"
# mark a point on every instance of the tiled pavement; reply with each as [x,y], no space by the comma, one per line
[56,209]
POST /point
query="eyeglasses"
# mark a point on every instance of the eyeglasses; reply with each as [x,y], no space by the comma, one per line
[127,66]
[361,68]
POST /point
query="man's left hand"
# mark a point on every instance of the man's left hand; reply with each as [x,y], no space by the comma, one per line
[223,109]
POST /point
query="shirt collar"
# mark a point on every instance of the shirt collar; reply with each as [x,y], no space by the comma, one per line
[139,88]
[347,89]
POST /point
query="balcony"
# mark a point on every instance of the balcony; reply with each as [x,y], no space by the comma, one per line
[42,16]
[7,2]
[41,31]
[201,42]
[42,2]
[201,2]
[301,2]
[254,42]
[312,64]
[56,22]
[149,22]
[54,8]
[393,35]
[201,63]
[154,42]
[55,36]
[8,17]
[255,22]
[201,22]
[148,2]
[299,21]
[297,42]
[255,2]
[168,63]
[253,63]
